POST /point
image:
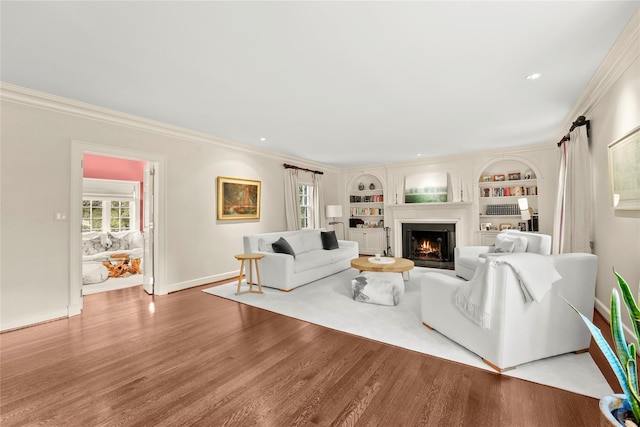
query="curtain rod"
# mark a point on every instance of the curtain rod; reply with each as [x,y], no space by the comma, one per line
[580,121]
[286,166]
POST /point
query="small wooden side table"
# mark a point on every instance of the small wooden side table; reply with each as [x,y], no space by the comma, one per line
[252,258]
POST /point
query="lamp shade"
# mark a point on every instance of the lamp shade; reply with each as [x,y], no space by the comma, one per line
[523,203]
[334,211]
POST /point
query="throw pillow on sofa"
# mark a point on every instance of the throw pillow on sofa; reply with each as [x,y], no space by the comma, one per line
[508,243]
[92,246]
[118,244]
[281,246]
[329,240]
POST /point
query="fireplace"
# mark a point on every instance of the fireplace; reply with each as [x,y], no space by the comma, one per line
[429,244]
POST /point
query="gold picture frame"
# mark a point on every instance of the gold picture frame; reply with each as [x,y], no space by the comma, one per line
[624,171]
[238,199]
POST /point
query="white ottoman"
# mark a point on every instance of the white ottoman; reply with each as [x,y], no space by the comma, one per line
[94,272]
[382,288]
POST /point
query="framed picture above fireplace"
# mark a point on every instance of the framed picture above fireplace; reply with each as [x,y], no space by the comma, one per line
[426,188]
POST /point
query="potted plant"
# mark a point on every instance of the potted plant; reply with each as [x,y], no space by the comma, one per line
[620,409]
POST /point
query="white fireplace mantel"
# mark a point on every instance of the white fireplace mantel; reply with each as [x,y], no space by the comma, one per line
[459,213]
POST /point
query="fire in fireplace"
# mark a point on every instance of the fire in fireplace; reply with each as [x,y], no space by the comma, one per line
[426,249]
[429,244]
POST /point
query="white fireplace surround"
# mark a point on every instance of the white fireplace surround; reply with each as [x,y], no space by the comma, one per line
[458,213]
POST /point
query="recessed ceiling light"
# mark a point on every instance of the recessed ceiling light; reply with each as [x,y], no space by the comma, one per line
[263,139]
[534,76]
[419,155]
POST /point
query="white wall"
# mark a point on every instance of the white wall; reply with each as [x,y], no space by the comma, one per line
[36,182]
[465,171]
[617,233]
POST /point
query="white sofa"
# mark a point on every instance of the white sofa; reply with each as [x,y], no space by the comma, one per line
[519,331]
[97,247]
[311,261]
[466,258]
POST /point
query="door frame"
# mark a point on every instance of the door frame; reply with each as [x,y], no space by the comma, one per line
[78,149]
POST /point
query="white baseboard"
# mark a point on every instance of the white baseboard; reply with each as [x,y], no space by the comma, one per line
[198,282]
[34,320]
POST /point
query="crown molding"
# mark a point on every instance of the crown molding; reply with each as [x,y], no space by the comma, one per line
[34,98]
[623,53]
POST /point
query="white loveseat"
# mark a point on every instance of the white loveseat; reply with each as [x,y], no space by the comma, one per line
[519,331]
[98,246]
[467,257]
[311,262]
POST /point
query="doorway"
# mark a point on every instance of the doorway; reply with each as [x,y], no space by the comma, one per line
[152,220]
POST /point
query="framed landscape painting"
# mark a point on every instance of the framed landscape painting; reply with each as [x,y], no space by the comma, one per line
[238,199]
[624,171]
[426,188]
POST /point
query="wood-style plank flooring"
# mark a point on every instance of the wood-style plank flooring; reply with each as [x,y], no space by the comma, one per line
[190,358]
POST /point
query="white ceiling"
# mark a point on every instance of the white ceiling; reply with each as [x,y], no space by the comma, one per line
[343,83]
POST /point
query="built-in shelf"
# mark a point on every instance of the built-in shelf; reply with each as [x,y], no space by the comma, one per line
[501,185]
[366,214]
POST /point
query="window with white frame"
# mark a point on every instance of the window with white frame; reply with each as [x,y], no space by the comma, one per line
[306,205]
[110,205]
[106,215]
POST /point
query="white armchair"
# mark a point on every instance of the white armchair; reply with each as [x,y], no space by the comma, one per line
[519,331]
[466,258]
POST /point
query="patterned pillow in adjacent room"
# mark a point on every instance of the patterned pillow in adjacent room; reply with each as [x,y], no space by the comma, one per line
[118,244]
[92,246]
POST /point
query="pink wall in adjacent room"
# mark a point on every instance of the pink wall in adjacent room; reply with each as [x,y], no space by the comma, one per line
[101,167]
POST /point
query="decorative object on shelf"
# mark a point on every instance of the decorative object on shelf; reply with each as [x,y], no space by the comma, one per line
[485,226]
[426,188]
[361,186]
[372,186]
[511,209]
[335,211]
[624,171]
[238,199]
[498,177]
[505,226]
[514,176]
[486,178]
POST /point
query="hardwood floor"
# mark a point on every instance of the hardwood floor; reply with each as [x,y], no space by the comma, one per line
[190,358]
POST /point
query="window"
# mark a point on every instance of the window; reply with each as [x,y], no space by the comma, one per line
[306,205]
[92,215]
[106,215]
[110,205]
[120,215]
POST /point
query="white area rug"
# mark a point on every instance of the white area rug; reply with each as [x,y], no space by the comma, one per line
[328,302]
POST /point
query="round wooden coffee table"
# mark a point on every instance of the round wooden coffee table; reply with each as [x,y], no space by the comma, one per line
[399,265]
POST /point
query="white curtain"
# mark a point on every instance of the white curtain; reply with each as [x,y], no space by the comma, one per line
[572,219]
[319,219]
[291,199]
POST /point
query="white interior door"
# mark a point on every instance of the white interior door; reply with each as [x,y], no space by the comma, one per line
[148,228]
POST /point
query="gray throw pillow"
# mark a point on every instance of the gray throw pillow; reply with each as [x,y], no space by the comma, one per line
[281,246]
[329,240]
[117,244]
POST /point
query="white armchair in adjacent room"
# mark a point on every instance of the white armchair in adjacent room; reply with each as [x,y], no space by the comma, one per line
[517,331]
[466,258]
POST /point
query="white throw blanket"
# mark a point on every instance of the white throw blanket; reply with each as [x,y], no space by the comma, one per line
[535,273]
